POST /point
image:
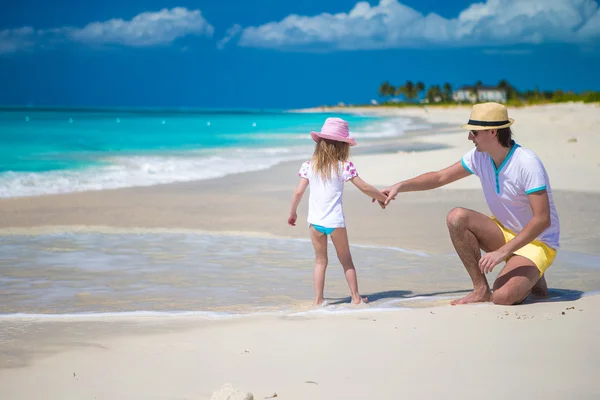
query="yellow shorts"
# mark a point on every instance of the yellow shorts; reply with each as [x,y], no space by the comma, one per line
[538,252]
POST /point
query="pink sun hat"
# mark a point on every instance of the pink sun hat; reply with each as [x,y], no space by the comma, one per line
[334,129]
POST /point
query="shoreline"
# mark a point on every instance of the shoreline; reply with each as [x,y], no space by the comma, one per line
[211,316]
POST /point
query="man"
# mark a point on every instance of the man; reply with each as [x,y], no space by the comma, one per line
[524,228]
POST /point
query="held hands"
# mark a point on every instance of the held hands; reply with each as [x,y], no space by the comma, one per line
[490,260]
[390,193]
[292,219]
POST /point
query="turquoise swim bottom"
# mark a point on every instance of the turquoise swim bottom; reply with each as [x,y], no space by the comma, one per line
[322,229]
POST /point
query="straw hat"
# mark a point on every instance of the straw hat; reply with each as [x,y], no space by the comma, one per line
[488,116]
[334,129]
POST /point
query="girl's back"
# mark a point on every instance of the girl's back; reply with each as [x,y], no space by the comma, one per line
[325,200]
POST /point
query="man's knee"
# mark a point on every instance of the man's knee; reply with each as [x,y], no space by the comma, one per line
[457,217]
[505,298]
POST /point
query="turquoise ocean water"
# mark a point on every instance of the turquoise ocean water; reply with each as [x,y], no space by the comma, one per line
[46,152]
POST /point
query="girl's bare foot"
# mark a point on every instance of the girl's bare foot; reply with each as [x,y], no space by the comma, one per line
[320,303]
[358,300]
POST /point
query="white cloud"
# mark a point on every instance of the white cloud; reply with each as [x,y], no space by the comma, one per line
[507,51]
[145,29]
[390,24]
[13,40]
[591,28]
[230,34]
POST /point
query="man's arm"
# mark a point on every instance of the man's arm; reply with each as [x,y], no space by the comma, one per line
[540,205]
[427,181]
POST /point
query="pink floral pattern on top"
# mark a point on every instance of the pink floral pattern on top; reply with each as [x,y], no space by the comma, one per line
[349,171]
[304,169]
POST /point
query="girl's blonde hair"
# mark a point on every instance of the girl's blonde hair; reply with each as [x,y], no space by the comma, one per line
[327,156]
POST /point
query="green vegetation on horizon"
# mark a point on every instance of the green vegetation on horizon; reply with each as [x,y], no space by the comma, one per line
[442,95]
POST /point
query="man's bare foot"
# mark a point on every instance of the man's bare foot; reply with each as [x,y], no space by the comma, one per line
[540,289]
[475,296]
[360,300]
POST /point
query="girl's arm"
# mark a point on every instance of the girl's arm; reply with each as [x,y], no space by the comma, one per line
[298,193]
[368,189]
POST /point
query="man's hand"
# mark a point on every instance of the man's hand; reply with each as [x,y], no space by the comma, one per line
[390,193]
[292,219]
[490,260]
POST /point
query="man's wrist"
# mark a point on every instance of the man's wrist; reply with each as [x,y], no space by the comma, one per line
[504,251]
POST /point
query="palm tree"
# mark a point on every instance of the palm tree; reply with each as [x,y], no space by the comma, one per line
[476,88]
[503,84]
[447,91]
[511,92]
[433,92]
[391,90]
[419,88]
[408,90]
[386,89]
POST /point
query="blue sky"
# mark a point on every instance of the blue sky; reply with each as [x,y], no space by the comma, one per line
[281,54]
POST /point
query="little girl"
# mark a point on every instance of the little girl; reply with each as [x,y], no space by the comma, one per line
[327,172]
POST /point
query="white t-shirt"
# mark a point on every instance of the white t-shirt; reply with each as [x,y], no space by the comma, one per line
[506,188]
[325,199]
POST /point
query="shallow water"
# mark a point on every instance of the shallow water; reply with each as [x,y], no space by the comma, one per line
[213,274]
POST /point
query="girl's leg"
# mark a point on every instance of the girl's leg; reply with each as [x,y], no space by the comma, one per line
[340,241]
[319,241]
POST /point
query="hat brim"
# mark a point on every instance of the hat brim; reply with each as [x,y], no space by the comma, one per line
[486,127]
[317,135]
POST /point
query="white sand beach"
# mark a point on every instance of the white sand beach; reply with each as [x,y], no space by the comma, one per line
[540,351]
[546,349]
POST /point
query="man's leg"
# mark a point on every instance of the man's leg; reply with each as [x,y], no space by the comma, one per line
[540,289]
[470,232]
[515,281]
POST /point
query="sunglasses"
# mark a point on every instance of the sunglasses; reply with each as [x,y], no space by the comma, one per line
[475,133]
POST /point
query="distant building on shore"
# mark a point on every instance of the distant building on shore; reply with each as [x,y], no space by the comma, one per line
[475,94]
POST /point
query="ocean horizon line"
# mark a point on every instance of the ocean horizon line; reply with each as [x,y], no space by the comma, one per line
[145,109]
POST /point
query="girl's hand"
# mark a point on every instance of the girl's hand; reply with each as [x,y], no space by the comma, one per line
[292,219]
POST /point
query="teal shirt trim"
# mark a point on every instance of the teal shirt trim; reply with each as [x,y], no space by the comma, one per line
[537,189]
[497,170]
[465,166]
